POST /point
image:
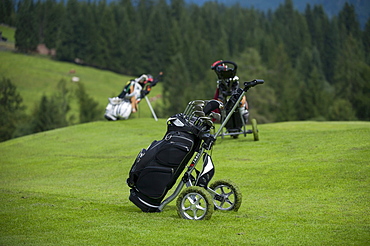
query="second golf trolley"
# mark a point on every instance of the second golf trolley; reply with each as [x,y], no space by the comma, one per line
[156,169]
[227,86]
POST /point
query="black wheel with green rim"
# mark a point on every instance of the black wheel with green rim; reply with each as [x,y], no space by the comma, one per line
[254,129]
[228,198]
[195,203]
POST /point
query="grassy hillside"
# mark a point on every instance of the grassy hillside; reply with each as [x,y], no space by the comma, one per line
[8,33]
[303,183]
[35,76]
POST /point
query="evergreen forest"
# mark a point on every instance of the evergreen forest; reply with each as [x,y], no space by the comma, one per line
[315,67]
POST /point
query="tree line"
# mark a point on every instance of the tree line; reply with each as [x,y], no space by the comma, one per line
[316,67]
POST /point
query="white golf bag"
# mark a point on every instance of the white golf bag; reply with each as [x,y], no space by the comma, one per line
[118,108]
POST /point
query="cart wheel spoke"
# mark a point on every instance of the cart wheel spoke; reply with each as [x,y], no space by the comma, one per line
[228,196]
[195,203]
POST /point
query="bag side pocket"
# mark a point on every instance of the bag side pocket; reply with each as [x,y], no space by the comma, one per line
[153,181]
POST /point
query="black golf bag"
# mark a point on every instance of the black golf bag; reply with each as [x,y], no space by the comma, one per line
[236,121]
[156,169]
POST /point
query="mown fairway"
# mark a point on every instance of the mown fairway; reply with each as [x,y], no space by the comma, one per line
[303,183]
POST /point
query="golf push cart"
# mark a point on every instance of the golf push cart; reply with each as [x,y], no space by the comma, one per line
[186,142]
[228,86]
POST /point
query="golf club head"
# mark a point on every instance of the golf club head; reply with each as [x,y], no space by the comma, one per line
[198,102]
[199,113]
[212,105]
[206,121]
[198,107]
[215,116]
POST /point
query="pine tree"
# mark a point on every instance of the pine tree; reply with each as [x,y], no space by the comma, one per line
[283,79]
[236,24]
[174,86]
[51,112]
[122,38]
[315,92]
[26,38]
[366,41]
[53,20]
[11,109]
[348,22]
[70,35]
[155,45]
[261,99]
[89,110]
[45,115]
[291,27]
[63,97]
[7,12]
[352,75]
[331,50]
[88,51]
[105,28]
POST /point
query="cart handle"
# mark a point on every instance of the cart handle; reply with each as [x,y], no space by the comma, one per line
[250,84]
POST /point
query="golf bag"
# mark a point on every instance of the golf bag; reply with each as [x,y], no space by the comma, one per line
[228,89]
[240,115]
[118,108]
[156,169]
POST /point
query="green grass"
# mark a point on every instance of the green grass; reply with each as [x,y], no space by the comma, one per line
[8,32]
[303,183]
[36,76]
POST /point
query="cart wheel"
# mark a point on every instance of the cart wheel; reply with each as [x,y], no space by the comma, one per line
[255,130]
[228,195]
[194,203]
